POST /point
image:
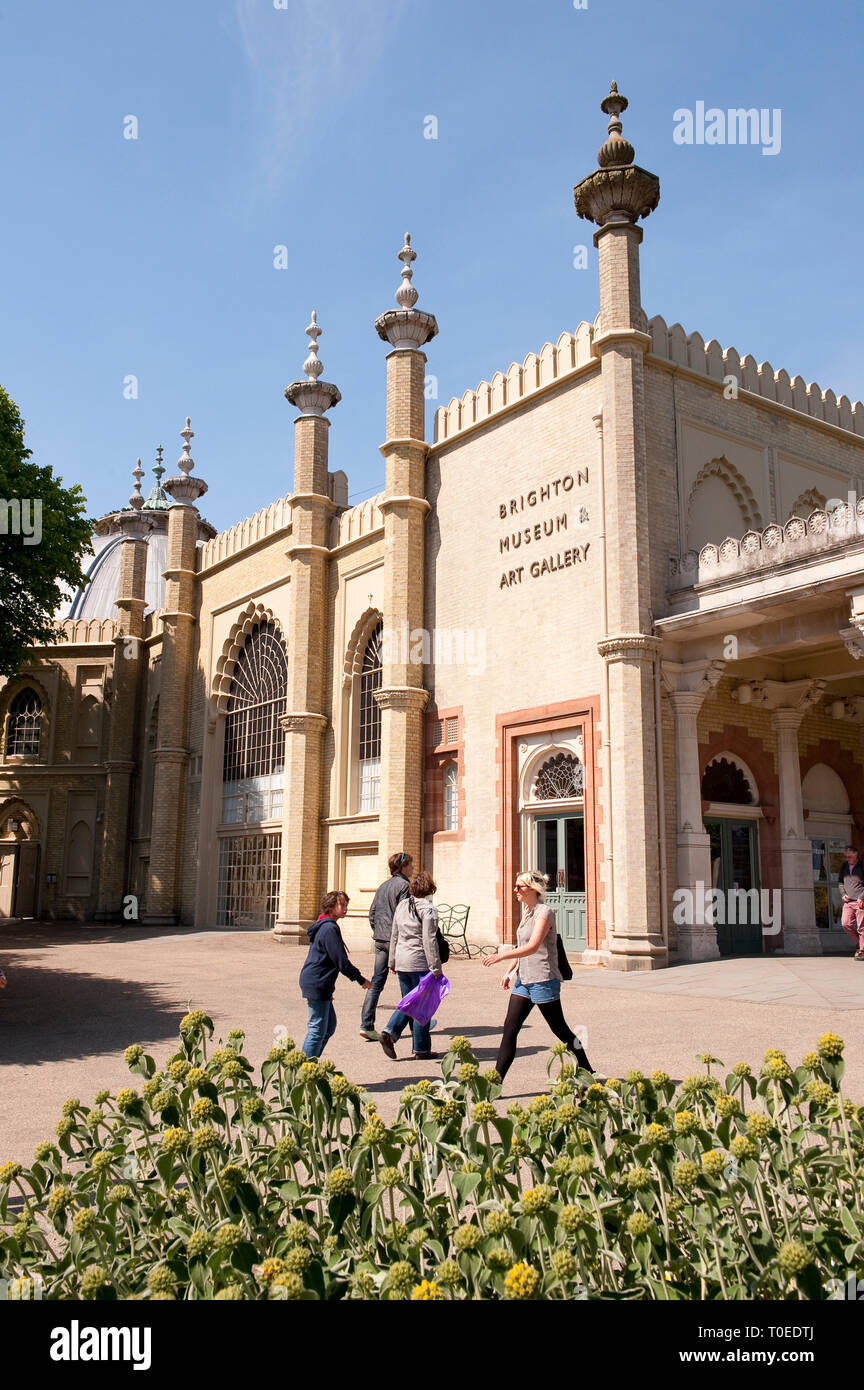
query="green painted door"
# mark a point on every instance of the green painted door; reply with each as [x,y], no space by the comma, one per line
[735,866]
[560,853]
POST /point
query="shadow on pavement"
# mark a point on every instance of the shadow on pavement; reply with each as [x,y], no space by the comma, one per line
[48,1015]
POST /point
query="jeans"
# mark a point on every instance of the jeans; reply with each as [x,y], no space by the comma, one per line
[545,992]
[379,979]
[408,979]
[321,1026]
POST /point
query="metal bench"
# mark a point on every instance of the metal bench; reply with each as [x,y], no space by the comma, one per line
[453,921]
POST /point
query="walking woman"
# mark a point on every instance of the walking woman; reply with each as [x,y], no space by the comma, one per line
[538,980]
[413,953]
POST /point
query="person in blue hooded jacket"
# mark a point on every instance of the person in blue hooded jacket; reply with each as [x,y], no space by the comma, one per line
[327,958]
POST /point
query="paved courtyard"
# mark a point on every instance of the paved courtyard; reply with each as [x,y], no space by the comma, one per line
[77,996]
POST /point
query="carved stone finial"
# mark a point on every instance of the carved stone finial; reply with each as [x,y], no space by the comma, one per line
[186,462]
[615,152]
[618,191]
[312,366]
[406,327]
[185,489]
[406,295]
[136,501]
[313,397]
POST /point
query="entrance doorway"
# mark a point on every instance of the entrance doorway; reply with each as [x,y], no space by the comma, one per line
[19,878]
[560,853]
[828,860]
[735,866]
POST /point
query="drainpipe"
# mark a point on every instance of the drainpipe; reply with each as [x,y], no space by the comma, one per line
[661,799]
[608,862]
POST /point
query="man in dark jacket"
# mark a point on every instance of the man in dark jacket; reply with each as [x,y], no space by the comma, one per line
[391,892]
[326,959]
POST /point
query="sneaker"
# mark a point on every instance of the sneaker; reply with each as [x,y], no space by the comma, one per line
[388,1045]
[369,1034]
[859,955]
[425,1056]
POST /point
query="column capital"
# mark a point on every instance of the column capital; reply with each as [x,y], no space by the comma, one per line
[776,696]
[303,722]
[697,678]
[406,697]
[629,646]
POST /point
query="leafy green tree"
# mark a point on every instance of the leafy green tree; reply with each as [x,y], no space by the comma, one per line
[44,535]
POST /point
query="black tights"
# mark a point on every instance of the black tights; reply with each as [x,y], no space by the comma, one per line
[517,1012]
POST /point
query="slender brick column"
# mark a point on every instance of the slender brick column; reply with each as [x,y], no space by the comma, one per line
[178,657]
[304,721]
[126,683]
[402,697]
[614,197]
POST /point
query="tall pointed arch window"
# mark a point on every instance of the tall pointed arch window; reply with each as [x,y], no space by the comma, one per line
[24,726]
[369,742]
[253,768]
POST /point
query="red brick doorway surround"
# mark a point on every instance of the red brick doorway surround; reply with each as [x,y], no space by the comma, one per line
[510,729]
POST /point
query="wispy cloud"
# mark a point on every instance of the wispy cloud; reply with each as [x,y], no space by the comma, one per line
[306,64]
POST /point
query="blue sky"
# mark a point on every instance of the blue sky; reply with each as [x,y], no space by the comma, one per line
[303,127]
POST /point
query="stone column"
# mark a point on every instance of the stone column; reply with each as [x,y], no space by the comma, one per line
[178,658]
[126,681]
[304,722]
[636,938]
[402,697]
[687,685]
[798,913]
[615,196]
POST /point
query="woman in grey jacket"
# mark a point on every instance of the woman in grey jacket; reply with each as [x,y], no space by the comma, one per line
[413,953]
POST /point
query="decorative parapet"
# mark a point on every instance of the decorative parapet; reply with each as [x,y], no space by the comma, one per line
[357,521]
[86,631]
[258,527]
[555,362]
[775,545]
[690,350]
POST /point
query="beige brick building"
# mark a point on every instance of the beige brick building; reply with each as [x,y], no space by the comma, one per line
[608,622]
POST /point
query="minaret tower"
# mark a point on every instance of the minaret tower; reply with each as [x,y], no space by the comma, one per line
[402,698]
[133,525]
[178,630]
[304,720]
[615,196]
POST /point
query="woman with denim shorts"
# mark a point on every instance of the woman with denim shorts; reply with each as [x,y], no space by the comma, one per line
[538,980]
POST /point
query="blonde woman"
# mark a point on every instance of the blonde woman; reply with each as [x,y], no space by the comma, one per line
[538,979]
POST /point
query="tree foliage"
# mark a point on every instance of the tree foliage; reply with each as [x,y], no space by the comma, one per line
[44,535]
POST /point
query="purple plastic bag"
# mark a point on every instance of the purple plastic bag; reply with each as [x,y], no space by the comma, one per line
[422,1001]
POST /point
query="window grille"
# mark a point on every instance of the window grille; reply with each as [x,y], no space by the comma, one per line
[451,797]
[253,768]
[370,724]
[560,776]
[453,730]
[437,733]
[25,724]
[248,880]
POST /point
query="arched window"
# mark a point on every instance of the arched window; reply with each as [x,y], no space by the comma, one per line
[724,781]
[369,743]
[560,776]
[24,724]
[451,797]
[253,765]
